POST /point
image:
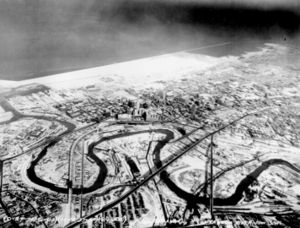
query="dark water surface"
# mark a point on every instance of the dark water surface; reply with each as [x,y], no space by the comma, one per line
[164,175]
[42,37]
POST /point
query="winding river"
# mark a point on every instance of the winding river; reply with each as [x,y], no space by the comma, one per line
[103,169]
[164,175]
[234,198]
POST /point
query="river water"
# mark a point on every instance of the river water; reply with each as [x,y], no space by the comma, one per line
[164,175]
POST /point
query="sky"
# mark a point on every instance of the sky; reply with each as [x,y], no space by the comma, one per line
[261,3]
[42,37]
